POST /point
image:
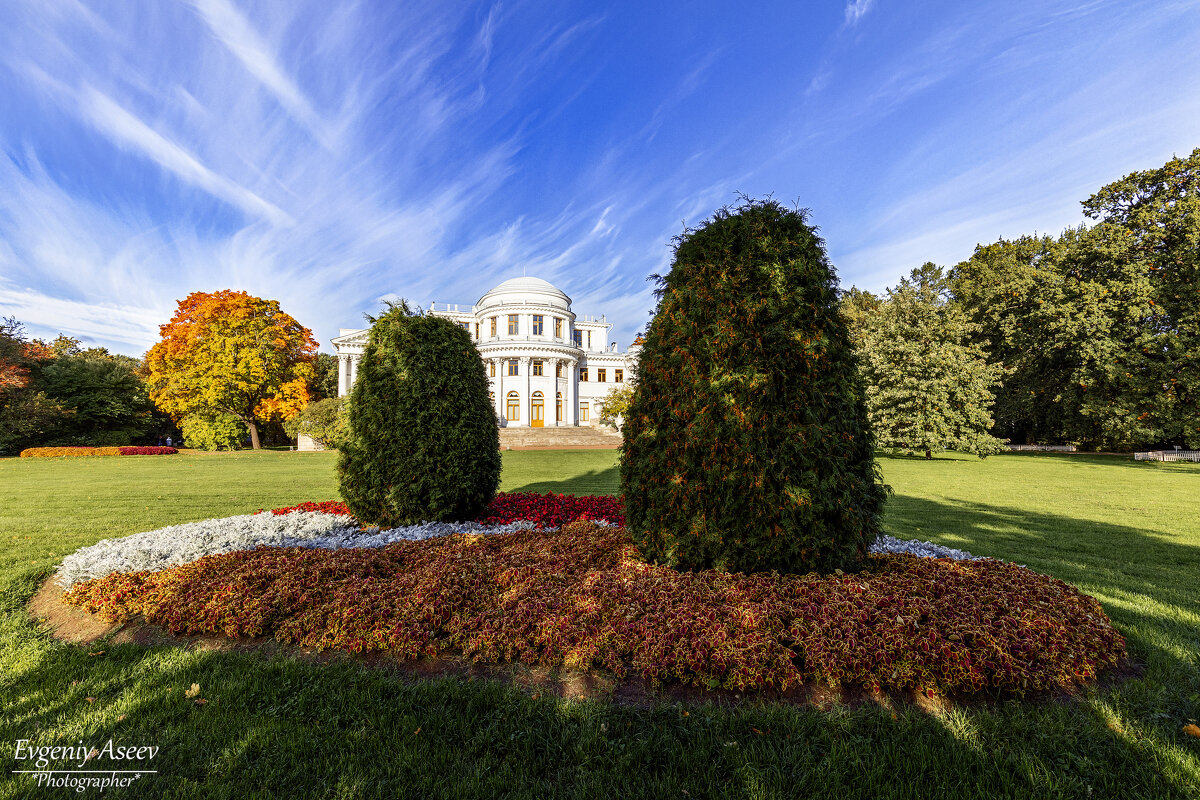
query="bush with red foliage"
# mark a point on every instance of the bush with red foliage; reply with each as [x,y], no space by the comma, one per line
[148,451]
[582,598]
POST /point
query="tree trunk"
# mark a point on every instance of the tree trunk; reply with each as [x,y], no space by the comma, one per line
[929,454]
[254,443]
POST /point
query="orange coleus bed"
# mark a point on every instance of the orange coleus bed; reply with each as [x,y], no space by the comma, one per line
[58,452]
[582,598]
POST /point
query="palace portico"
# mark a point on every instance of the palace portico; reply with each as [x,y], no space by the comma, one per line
[545,366]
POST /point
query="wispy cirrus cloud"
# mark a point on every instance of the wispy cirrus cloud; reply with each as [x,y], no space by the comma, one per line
[234,31]
[328,154]
[127,130]
[855,10]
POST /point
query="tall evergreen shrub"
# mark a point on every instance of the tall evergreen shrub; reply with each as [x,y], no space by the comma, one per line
[746,444]
[422,442]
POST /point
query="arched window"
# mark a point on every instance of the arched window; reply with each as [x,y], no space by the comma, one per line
[514,406]
[558,407]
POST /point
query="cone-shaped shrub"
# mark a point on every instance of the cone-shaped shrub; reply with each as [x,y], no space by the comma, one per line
[422,442]
[746,445]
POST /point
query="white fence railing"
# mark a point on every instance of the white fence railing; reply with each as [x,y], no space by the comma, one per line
[1046,448]
[1168,455]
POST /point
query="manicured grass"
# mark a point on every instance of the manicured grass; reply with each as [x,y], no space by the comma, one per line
[1127,533]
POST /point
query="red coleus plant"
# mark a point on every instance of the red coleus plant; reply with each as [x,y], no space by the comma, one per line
[581,598]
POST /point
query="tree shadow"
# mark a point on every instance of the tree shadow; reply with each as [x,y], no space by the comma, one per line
[338,728]
[606,481]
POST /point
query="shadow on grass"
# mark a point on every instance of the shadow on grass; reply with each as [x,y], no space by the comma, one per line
[606,481]
[1145,581]
[273,724]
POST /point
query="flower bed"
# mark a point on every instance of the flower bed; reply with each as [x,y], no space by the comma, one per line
[58,452]
[581,598]
[546,510]
[138,450]
[552,510]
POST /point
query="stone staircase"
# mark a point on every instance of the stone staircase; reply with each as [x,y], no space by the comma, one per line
[558,438]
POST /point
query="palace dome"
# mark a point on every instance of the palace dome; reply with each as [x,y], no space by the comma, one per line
[523,291]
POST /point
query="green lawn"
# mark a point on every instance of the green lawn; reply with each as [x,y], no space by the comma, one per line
[1127,533]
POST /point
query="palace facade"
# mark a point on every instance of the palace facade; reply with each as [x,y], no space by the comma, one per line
[545,366]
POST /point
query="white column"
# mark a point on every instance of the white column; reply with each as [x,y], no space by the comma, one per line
[570,393]
[499,388]
[343,384]
[527,400]
[559,420]
[354,369]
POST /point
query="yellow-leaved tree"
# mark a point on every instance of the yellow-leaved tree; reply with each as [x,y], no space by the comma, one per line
[231,352]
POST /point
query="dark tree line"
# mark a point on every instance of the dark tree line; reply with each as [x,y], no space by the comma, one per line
[1093,337]
[60,393]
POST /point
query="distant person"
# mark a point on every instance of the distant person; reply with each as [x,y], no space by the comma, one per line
[168,441]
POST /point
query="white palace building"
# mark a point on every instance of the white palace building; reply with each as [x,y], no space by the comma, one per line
[546,367]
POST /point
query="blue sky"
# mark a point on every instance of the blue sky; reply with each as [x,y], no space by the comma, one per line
[329,155]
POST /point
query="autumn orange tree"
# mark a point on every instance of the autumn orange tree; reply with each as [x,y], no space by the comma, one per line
[231,352]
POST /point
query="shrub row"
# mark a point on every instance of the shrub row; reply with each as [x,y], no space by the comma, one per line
[57,452]
[581,598]
[547,510]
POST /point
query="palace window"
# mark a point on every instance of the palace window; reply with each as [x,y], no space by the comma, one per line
[578,337]
[558,369]
[514,406]
[557,328]
[466,326]
[558,407]
[537,324]
[602,375]
[619,376]
[476,331]
[583,412]
[583,373]
[512,324]
[491,369]
[537,367]
[493,326]
[512,366]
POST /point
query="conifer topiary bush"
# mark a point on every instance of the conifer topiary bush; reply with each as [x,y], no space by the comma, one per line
[746,444]
[422,443]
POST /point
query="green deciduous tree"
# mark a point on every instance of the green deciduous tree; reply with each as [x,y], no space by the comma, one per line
[324,382]
[928,383]
[616,404]
[1098,331]
[423,443]
[212,430]
[326,422]
[109,401]
[746,443]
[27,415]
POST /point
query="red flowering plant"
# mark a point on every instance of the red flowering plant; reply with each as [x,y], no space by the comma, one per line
[582,598]
[546,510]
